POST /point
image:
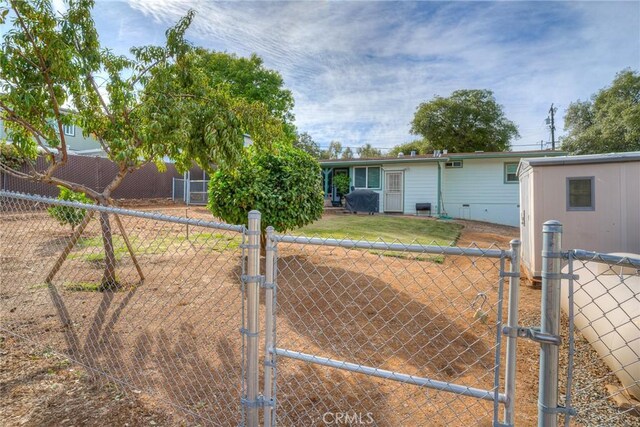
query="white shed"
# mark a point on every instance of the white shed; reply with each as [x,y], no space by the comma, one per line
[596,198]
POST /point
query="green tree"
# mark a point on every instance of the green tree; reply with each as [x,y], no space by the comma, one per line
[347,153]
[305,142]
[420,146]
[609,122]
[67,214]
[249,79]
[367,151]
[335,149]
[160,101]
[284,184]
[467,121]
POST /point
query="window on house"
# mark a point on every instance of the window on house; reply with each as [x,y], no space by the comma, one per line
[453,164]
[510,173]
[366,177]
[580,194]
[69,130]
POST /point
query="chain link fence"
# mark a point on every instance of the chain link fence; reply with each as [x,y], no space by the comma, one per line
[602,346]
[189,191]
[157,312]
[422,323]
[349,332]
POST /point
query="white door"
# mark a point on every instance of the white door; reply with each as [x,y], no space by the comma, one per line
[393,191]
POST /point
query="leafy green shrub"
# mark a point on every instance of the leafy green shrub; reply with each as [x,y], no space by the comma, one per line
[10,156]
[67,214]
[285,185]
[341,182]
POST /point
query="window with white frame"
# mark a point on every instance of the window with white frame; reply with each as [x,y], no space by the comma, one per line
[366,177]
[69,130]
[511,173]
[581,194]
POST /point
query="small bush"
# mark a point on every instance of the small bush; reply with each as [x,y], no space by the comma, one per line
[285,185]
[341,182]
[66,214]
[10,156]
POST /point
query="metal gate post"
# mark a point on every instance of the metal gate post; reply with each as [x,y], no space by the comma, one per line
[188,189]
[253,304]
[269,357]
[512,340]
[550,323]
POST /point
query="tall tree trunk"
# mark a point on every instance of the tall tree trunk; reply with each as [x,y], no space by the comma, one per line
[109,281]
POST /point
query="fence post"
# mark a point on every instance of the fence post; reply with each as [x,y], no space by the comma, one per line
[188,188]
[269,360]
[253,305]
[512,340]
[550,323]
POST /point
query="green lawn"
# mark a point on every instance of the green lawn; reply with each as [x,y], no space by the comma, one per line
[387,228]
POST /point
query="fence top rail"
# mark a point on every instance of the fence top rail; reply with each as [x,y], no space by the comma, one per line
[128,212]
[616,260]
[400,247]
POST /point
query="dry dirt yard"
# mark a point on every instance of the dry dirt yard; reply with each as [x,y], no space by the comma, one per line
[164,352]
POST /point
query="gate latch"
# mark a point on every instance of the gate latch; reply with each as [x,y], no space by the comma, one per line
[533,334]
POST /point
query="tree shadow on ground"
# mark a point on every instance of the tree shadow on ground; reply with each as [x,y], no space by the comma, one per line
[368,321]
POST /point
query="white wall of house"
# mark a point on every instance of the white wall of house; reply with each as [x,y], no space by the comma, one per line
[478,191]
[420,184]
[613,225]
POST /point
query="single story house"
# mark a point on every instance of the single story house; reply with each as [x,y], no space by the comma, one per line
[596,198]
[77,143]
[480,186]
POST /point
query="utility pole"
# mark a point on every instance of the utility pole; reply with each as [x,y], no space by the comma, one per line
[551,122]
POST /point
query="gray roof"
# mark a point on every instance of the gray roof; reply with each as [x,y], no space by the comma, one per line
[631,156]
[442,158]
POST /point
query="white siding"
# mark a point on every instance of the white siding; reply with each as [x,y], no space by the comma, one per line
[477,191]
[420,185]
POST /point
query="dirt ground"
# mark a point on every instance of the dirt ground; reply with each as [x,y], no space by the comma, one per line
[164,351]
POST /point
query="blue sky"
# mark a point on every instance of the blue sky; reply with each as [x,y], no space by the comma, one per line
[359,69]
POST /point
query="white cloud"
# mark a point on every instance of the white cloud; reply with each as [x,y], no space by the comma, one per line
[359,69]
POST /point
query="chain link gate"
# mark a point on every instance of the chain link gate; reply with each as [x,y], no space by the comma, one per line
[313,315]
[590,302]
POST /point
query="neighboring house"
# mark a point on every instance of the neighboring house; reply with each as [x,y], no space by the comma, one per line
[77,143]
[480,186]
[596,198]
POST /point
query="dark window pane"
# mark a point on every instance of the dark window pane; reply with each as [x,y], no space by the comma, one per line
[580,193]
[374,178]
[360,177]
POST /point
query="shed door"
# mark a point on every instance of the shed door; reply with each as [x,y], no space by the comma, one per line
[393,194]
